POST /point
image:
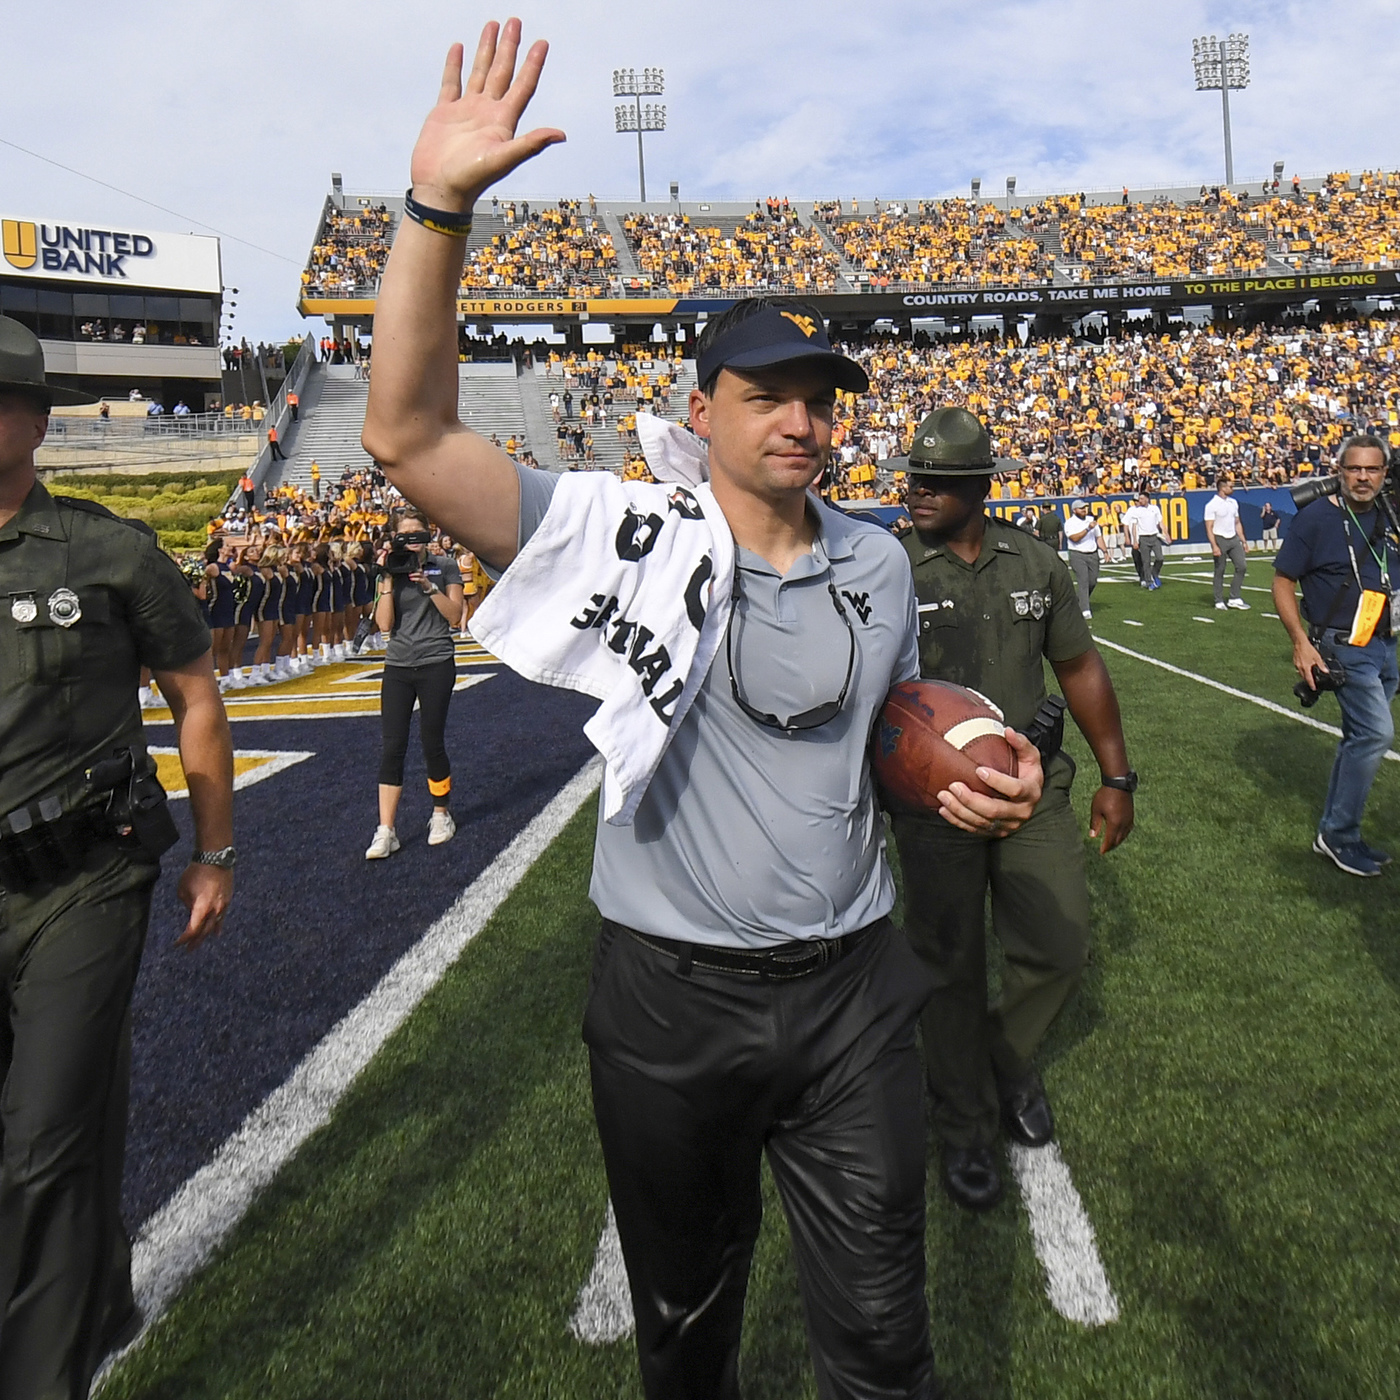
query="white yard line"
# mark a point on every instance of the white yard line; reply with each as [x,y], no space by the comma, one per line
[179,1238]
[1075,1281]
[1259,700]
[603,1312]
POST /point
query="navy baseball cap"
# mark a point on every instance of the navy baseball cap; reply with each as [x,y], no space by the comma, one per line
[775,337]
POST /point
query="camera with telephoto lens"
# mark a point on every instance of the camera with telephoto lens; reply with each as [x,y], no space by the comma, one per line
[401,558]
[1305,492]
[1333,678]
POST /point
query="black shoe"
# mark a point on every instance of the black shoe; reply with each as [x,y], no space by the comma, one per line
[970,1177]
[1026,1115]
[1374,853]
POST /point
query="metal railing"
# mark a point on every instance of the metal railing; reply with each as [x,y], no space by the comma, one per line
[83,432]
[279,414]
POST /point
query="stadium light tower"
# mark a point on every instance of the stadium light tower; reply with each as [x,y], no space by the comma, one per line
[652,117]
[1223,64]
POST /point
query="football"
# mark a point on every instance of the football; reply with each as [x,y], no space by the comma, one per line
[930,734]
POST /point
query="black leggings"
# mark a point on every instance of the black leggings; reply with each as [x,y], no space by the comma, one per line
[431,686]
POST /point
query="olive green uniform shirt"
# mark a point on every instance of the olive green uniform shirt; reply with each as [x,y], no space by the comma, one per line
[68,694]
[987,625]
[1050,526]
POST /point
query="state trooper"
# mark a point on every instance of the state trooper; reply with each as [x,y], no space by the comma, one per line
[994,604]
[86,600]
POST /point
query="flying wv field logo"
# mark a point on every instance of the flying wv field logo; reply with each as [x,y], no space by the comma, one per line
[90,252]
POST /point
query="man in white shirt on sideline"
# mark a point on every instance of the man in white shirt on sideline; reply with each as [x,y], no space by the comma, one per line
[1085,541]
[1226,542]
[1142,522]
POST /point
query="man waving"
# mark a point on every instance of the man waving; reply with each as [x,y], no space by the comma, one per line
[749,994]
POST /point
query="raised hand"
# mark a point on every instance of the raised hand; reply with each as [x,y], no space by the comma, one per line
[468,142]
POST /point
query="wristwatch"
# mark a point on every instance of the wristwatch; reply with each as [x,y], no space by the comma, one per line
[1127,783]
[225,859]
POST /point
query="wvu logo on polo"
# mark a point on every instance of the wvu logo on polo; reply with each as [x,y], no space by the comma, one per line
[805,324]
[20,241]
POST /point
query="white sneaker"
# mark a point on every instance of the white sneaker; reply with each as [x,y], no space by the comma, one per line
[441,828]
[385,843]
[1238,604]
[149,699]
[236,681]
[1220,607]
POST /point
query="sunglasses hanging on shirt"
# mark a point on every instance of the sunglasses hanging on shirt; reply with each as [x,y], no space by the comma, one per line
[818,715]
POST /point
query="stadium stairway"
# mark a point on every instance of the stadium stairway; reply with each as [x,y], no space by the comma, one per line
[489,400]
[608,450]
[846,275]
[332,419]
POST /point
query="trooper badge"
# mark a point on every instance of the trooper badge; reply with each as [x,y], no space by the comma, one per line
[23,607]
[63,607]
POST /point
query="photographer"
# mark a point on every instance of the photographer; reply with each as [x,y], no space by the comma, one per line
[418,600]
[1341,551]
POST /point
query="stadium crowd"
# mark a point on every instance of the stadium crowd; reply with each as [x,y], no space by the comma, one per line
[770,249]
[349,256]
[553,251]
[1160,411]
[565,249]
[953,240]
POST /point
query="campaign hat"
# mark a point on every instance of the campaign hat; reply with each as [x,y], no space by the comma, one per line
[952,442]
[22,367]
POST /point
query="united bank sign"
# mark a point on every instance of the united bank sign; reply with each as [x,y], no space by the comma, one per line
[89,252]
[82,253]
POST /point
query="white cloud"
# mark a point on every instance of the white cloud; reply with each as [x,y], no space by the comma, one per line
[237,117]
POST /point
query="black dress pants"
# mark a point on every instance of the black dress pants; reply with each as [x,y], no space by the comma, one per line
[68,962]
[695,1077]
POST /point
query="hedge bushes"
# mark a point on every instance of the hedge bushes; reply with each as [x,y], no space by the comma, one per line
[178,506]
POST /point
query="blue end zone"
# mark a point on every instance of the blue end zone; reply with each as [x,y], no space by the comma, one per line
[314,925]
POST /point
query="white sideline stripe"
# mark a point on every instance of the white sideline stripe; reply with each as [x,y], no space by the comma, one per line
[1075,1281]
[603,1312]
[180,1237]
[1238,694]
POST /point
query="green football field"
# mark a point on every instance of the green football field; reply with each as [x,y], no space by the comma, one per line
[1226,1086]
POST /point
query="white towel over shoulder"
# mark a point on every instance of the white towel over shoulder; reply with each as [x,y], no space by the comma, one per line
[623,593]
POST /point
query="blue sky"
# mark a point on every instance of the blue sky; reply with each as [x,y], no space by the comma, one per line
[236,115]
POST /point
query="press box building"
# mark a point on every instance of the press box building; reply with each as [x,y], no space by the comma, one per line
[117,308]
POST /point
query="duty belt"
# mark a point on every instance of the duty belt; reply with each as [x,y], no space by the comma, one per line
[786,961]
[41,844]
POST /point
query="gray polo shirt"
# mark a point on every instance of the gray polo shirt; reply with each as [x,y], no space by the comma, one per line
[748,836]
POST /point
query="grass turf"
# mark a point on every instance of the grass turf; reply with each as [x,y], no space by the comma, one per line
[1225,1083]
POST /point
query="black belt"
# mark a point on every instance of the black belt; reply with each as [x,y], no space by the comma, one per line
[1337,637]
[786,961]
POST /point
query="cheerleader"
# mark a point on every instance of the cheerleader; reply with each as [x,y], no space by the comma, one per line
[248,590]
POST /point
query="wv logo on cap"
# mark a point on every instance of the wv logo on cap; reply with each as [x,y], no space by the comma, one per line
[805,324]
[20,242]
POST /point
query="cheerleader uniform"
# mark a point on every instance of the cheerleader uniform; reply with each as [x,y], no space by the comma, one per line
[250,610]
[269,612]
[222,608]
[306,592]
[340,591]
[323,586]
[360,592]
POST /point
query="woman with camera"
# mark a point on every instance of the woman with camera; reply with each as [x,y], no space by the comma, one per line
[418,598]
